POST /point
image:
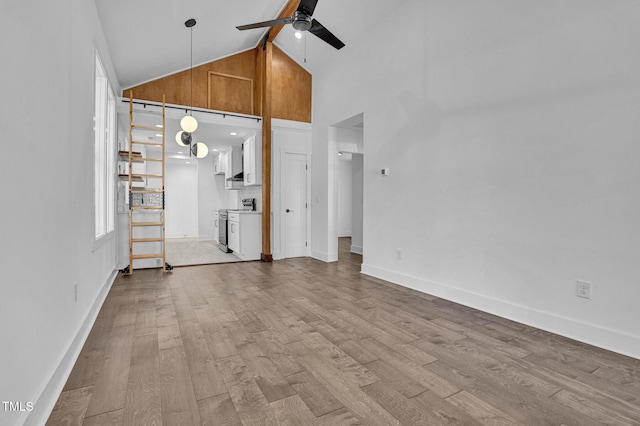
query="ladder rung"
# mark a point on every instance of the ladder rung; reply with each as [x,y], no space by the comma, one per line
[147,143]
[137,126]
[147,207]
[147,175]
[147,240]
[134,178]
[125,154]
[147,223]
[147,256]
[147,191]
[159,160]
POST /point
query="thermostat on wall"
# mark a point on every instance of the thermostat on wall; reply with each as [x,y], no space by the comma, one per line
[385,171]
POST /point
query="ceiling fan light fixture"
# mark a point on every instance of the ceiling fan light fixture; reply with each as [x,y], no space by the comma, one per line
[298,35]
[301,21]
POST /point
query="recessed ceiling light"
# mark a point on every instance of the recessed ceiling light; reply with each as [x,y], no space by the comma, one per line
[180,152]
[159,135]
[233,134]
[159,125]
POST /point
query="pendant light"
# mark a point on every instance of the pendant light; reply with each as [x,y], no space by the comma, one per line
[188,123]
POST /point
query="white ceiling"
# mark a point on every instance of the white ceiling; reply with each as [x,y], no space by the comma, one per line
[148,39]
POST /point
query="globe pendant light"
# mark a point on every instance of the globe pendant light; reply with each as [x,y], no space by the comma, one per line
[200,150]
[183,138]
[188,123]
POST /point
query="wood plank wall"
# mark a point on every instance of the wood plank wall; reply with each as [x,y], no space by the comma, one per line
[234,84]
[291,87]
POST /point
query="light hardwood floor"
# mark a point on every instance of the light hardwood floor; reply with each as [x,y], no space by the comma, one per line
[190,251]
[302,342]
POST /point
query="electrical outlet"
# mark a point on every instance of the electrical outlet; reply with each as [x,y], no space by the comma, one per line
[75,292]
[583,289]
[399,254]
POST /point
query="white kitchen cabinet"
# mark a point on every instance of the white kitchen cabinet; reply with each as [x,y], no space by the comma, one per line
[245,234]
[233,164]
[252,161]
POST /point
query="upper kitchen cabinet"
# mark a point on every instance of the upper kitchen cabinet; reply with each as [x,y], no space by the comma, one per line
[252,161]
[233,172]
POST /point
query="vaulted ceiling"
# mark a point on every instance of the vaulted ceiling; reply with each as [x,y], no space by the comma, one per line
[148,39]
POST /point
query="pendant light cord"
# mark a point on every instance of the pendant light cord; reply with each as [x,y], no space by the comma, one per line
[191,72]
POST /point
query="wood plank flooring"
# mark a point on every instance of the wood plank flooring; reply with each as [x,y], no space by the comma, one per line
[302,342]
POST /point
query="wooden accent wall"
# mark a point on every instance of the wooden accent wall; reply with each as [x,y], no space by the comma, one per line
[234,84]
[291,86]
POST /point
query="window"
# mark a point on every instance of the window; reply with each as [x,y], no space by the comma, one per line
[104,153]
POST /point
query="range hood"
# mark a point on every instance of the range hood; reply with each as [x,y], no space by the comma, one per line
[237,178]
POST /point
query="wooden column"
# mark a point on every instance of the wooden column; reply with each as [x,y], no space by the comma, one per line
[266,56]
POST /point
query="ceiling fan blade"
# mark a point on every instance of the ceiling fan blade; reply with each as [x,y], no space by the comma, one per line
[318,30]
[272,23]
[307,6]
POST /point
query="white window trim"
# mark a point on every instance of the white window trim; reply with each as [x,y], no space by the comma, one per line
[104,179]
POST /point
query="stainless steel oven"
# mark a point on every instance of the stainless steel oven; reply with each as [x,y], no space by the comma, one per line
[223,232]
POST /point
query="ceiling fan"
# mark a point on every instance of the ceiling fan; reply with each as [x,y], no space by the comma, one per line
[301,21]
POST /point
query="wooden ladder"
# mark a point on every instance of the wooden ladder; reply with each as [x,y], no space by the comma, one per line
[155,196]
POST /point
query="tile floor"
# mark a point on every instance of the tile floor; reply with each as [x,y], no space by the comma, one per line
[190,251]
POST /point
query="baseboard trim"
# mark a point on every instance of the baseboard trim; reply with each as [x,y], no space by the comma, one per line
[592,334]
[325,257]
[44,403]
[356,249]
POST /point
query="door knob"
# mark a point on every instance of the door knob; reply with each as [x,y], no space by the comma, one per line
[288,210]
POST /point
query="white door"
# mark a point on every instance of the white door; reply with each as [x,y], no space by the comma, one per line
[294,204]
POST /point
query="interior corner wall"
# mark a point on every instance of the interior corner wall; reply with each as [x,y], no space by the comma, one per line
[211,196]
[357,227]
[47,224]
[345,197]
[512,129]
[181,188]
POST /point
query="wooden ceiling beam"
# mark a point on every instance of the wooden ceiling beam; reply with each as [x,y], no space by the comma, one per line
[286,12]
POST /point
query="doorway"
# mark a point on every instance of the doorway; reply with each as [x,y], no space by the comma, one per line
[348,137]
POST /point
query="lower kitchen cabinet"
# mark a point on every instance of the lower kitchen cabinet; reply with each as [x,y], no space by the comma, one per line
[245,234]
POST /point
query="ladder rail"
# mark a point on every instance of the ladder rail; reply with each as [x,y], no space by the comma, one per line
[137,157]
[164,241]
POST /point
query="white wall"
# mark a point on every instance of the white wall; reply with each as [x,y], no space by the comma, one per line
[46,176]
[181,189]
[515,127]
[357,207]
[211,197]
[345,190]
